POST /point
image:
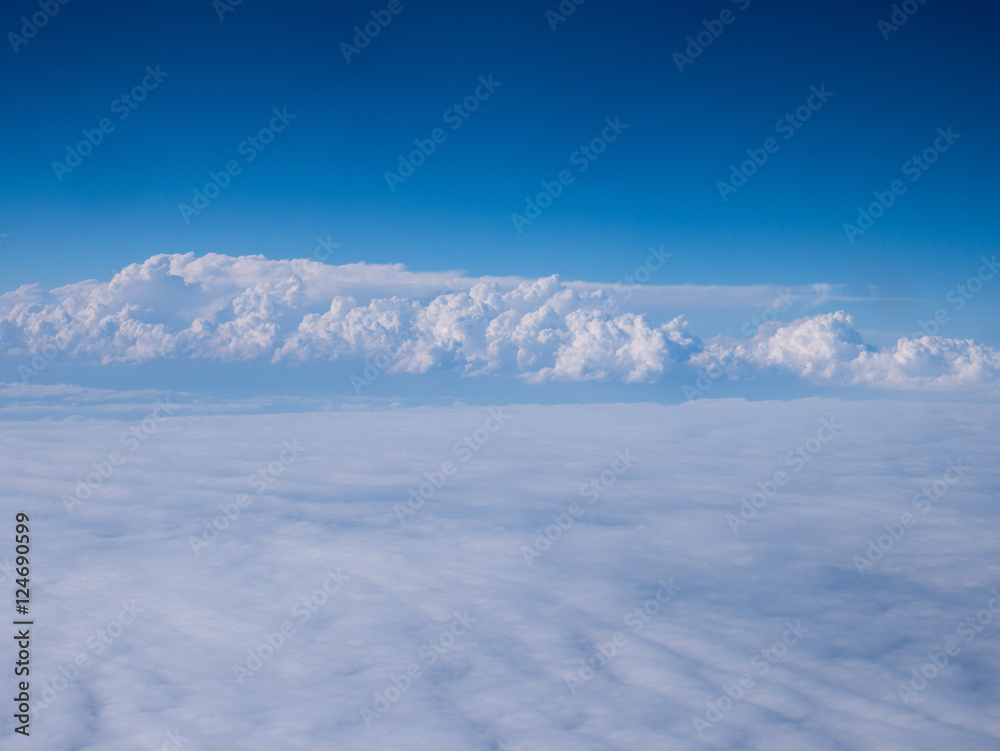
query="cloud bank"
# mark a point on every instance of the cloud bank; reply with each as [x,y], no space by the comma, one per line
[240,309]
[507,645]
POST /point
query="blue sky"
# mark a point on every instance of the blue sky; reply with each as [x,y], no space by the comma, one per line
[657,184]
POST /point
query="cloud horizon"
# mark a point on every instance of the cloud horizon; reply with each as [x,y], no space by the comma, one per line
[294,312]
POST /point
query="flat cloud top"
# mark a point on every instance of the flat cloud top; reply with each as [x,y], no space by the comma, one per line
[248,308]
[669,481]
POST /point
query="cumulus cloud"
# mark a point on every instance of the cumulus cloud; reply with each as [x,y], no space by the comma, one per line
[828,349]
[249,308]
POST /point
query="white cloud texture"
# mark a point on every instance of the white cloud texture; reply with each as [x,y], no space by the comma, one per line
[828,349]
[499,679]
[249,308]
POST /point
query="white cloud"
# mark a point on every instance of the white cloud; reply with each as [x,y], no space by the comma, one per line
[828,349]
[505,677]
[293,312]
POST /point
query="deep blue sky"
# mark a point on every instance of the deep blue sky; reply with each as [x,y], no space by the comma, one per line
[324,175]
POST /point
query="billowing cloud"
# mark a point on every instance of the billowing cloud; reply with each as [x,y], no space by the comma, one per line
[241,309]
[828,349]
[249,308]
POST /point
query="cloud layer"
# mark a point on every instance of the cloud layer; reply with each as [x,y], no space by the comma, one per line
[332,502]
[249,308]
